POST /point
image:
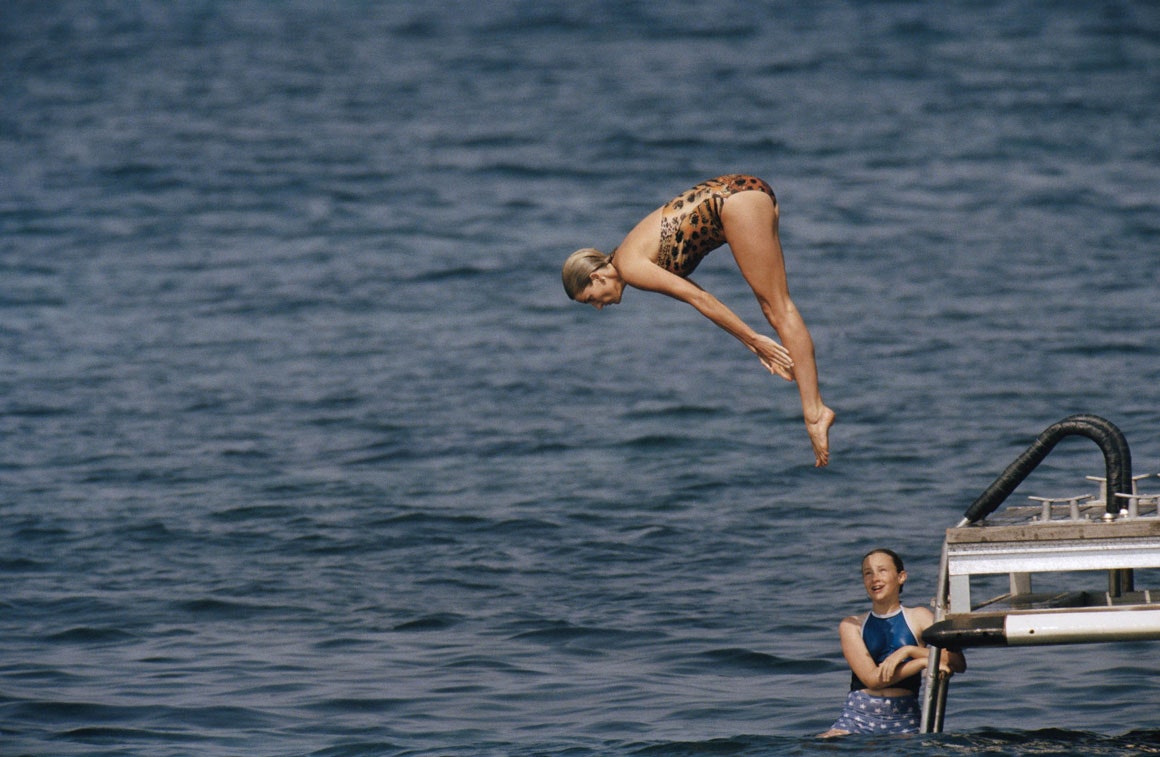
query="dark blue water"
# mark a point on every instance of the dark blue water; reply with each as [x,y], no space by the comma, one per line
[304,451]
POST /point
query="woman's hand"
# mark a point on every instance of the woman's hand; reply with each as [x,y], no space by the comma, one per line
[773,356]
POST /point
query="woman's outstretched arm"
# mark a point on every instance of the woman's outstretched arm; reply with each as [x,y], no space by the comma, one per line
[650,277]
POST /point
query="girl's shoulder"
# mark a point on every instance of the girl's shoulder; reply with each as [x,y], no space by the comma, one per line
[918,618]
[854,621]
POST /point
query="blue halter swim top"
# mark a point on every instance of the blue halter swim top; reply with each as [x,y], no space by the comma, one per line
[883,635]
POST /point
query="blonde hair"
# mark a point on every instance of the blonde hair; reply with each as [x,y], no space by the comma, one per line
[579,267]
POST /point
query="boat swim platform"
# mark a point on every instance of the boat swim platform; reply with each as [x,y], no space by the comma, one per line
[1125,543]
[1074,541]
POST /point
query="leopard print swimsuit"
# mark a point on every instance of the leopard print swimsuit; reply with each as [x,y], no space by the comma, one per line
[691,225]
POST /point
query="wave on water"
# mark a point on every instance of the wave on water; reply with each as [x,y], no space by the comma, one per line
[1048,741]
[1054,742]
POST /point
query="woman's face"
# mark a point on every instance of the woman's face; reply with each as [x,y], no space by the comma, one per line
[882,580]
[604,290]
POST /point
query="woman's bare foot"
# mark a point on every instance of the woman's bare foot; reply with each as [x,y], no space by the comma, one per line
[819,431]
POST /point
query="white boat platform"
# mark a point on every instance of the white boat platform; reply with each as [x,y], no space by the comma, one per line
[1093,543]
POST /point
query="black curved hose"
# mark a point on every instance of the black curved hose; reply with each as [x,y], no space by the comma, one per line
[1111,441]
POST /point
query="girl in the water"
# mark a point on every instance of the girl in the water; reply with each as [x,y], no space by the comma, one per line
[886,655]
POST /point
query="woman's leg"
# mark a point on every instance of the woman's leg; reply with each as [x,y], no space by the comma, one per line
[750,220]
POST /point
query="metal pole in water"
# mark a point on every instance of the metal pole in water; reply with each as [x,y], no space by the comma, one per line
[935,696]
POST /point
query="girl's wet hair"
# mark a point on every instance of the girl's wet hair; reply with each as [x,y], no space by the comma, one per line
[889,553]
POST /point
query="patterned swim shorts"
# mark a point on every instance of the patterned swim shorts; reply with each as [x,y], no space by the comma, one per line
[869,714]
